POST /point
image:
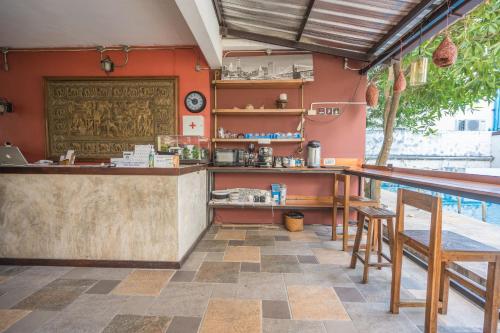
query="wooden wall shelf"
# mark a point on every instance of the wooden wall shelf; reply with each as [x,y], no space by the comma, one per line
[258,84]
[262,112]
[290,204]
[256,140]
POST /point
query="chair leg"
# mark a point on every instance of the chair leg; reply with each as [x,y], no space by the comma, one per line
[444,289]
[492,297]
[390,235]
[357,241]
[379,242]
[397,264]
[368,250]
[374,238]
[334,222]
[345,228]
[432,299]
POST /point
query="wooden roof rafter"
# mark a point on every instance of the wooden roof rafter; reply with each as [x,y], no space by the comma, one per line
[362,30]
[427,29]
[304,21]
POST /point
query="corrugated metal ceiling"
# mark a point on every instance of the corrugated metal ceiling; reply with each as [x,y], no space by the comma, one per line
[359,27]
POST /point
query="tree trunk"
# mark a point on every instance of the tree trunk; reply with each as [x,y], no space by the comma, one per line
[387,106]
[390,112]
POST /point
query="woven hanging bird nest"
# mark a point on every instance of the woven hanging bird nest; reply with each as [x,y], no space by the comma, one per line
[372,95]
[446,53]
[400,83]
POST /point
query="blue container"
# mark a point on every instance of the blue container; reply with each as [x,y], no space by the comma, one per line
[276,193]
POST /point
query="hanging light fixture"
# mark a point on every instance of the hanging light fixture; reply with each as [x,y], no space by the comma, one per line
[400,81]
[418,71]
[419,67]
[446,53]
[372,95]
[107,64]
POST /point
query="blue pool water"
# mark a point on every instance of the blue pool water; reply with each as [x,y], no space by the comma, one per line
[470,207]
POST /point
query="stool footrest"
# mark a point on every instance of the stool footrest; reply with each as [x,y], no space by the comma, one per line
[383,264]
[360,258]
[386,257]
[359,252]
[412,303]
[465,281]
[350,236]
[416,303]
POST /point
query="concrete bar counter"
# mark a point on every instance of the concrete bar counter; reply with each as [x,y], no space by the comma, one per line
[99,216]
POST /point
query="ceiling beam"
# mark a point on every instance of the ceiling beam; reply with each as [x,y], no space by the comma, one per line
[201,18]
[294,44]
[414,13]
[455,15]
[431,26]
[304,20]
[218,12]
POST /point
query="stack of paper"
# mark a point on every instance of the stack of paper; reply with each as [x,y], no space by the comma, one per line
[139,158]
[166,161]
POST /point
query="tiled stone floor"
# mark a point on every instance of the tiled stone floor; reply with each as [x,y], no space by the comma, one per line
[238,279]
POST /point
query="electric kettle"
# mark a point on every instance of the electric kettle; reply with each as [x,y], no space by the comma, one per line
[314,154]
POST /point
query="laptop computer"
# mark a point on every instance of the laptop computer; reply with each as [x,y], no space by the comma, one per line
[11,156]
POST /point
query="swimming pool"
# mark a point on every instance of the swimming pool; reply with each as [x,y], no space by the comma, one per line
[470,207]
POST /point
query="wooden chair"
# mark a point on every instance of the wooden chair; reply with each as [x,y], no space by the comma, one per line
[374,238]
[345,201]
[442,247]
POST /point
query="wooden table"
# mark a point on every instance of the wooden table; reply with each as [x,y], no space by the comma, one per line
[479,187]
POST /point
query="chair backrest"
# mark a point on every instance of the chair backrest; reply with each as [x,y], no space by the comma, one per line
[425,202]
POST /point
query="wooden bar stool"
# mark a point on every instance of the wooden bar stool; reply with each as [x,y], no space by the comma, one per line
[344,200]
[441,248]
[374,238]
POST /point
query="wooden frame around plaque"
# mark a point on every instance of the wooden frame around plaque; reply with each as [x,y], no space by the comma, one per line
[100,117]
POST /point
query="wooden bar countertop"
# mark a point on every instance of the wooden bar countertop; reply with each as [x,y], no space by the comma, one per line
[300,170]
[89,169]
[479,187]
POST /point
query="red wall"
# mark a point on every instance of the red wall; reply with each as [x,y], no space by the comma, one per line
[23,86]
[340,137]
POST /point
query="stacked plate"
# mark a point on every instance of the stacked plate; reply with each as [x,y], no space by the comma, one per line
[220,195]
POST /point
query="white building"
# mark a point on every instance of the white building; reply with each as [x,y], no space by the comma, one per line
[463,142]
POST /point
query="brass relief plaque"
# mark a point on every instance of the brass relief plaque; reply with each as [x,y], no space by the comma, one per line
[101,117]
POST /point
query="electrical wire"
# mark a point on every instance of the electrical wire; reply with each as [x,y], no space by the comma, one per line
[350,102]
[100,49]
[125,49]
[112,48]
[266,51]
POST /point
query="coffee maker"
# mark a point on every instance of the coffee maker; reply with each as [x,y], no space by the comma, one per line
[252,156]
[265,158]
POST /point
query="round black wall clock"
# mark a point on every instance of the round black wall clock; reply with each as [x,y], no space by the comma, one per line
[195,102]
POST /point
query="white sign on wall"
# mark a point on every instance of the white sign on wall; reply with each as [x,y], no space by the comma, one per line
[193,125]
